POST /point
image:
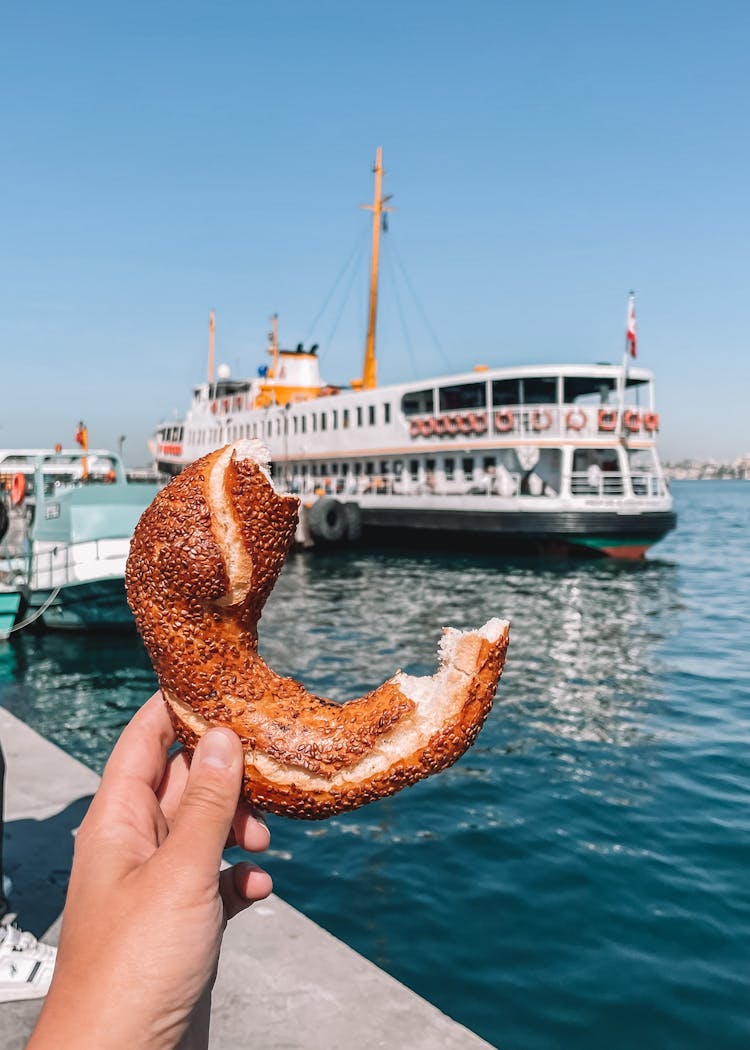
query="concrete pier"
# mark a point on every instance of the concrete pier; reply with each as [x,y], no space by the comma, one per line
[283,982]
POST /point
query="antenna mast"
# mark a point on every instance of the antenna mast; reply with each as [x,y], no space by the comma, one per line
[369,372]
[211,334]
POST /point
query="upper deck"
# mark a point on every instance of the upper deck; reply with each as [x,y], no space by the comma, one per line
[540,405]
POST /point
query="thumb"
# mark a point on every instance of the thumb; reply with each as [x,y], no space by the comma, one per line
[209,802]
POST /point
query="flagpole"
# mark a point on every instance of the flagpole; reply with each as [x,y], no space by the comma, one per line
[629,351]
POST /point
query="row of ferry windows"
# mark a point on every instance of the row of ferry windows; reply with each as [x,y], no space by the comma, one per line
[532,390]
[313,422]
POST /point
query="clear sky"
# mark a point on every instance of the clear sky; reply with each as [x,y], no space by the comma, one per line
[160,159]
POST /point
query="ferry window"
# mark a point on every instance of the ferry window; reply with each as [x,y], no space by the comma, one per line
[596,471]
[414,469]
[449,467]
[384,465]
[489,462]
[334,469]
[505,392]
[344,469]
[357,469]
[387,412]
[539,390]
[592,390]
[323,421]
[371,413]
[335,419]
[295,423]
[398,467]
[369,467]
[468,465]
[304,470]
[359,416]
[314,421]
[345,418]
[418,403]
[303,424]
[462,397]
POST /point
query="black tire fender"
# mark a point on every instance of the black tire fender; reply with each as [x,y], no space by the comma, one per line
[327,520]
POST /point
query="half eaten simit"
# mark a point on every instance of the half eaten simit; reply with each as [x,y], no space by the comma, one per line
[204,558]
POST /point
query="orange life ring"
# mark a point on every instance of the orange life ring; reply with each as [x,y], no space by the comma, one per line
[651,421]
[631,420]
[576,419]
[504,420]
[478,422]
[608,419]
[425,427]
[464,424]
[438,425]
[450,425]
[17,489]
[541,419]
[415,428]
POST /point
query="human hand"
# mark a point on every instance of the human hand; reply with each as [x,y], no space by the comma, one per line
[147,904]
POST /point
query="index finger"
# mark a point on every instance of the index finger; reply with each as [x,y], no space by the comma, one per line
[141,752]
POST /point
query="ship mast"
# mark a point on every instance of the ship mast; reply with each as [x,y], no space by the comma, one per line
[273,347]
[369,371]
[211,334]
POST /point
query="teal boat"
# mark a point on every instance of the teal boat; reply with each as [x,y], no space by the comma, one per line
[71,519]
[10,603]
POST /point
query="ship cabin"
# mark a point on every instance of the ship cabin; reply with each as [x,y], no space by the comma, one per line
[573,432]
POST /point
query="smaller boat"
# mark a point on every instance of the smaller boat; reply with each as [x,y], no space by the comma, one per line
[71,516]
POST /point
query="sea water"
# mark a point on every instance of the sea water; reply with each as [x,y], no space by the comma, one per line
[581,878]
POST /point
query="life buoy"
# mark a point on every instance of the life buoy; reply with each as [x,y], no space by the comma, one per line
[631,420]
[504,420]
[425,427]
[17,489]
[415,428]
[608,419]
[541,419]
[478,422]
[651,421]
[463,425]
[450,425]
[576,419]
[438,425]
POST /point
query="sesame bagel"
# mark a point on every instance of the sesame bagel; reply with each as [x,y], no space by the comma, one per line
[204,558]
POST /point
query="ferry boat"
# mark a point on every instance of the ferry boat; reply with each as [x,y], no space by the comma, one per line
[555,459]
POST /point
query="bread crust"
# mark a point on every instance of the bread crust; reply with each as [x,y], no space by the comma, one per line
[204,558]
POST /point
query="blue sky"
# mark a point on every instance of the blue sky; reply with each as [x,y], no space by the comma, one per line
[158,160]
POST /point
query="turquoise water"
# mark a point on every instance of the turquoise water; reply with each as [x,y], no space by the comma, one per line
[581,878]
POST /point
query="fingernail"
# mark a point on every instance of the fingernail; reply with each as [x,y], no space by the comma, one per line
[217,749]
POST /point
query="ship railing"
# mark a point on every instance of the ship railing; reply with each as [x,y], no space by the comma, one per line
[604,484]
[593,484]
[648,485]
[608,484]
[77,562]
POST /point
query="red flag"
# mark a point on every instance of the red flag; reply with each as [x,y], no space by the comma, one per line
[630,336]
